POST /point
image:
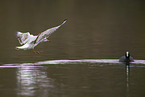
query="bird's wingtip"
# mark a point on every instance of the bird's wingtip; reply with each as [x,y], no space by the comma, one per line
[18,32]
[64,21]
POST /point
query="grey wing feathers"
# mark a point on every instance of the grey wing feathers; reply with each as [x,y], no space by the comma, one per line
[47,33]
[131,59]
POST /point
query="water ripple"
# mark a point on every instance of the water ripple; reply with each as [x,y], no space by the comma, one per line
[82,61]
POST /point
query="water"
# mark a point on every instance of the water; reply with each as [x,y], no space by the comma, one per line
[82,58]
[86,77]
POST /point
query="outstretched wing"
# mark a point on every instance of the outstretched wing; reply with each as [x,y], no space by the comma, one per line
[22,37]
[47,33]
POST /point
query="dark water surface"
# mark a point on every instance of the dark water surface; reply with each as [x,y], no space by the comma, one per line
[96,29]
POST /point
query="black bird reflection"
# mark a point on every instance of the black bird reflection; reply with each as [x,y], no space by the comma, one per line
[126,61]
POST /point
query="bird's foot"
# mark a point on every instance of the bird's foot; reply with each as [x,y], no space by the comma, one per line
[48,40]
[36,52]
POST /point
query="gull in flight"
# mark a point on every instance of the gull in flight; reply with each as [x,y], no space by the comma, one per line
[29,41]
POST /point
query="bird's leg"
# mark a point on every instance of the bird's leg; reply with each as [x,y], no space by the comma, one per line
[48,40]
[36,52]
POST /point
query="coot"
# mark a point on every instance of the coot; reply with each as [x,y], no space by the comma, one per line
[127,58]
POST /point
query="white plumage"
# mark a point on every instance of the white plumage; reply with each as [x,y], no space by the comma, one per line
[29,41]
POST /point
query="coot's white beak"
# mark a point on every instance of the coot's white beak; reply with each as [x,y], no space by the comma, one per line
[127,54]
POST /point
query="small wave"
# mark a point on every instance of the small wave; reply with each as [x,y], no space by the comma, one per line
[78,61]
[82,61]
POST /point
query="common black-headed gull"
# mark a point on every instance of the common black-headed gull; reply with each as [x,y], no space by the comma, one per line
[29,41]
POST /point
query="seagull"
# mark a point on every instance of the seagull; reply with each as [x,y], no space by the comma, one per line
[29,41]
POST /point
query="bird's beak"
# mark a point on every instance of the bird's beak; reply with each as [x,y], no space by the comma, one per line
[17,48]
[127,54]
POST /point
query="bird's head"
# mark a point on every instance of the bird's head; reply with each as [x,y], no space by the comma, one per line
[127,54]
[17,48]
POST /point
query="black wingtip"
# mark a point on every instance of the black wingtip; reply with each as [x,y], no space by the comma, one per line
[65,20]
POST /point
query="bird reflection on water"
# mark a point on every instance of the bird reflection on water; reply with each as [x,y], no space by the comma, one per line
[29,78]
[127,78]
[33,78]
[127,66]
